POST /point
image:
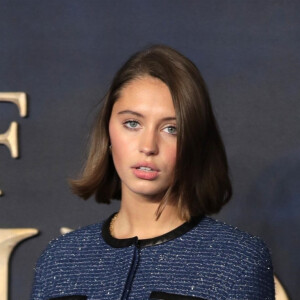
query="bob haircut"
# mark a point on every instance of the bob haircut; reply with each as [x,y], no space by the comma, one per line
[201,184]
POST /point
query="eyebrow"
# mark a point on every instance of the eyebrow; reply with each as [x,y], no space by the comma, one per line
[142,116]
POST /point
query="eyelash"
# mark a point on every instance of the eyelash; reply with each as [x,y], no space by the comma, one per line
[126,125]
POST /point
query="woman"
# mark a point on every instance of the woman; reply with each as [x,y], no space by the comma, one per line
[156,146]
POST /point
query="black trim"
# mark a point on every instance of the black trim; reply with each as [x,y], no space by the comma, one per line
[116,243]
[168,296]
[121,243]
[74,297]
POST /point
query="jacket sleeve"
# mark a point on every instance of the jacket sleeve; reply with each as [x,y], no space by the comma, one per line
[257,280]
[40,276]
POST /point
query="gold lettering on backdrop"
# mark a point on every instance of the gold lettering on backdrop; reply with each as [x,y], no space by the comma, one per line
[10,137]
[64,230]
[9,238]
[18,98]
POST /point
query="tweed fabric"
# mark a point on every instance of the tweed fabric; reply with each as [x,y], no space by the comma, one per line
[211,261]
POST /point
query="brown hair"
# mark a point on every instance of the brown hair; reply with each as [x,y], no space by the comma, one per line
[201,183]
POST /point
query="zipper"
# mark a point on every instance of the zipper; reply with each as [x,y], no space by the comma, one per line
[132,271]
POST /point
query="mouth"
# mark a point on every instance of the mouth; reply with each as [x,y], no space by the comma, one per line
[146,169]
[146,166]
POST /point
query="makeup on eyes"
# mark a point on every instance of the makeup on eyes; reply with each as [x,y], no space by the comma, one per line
[129,125]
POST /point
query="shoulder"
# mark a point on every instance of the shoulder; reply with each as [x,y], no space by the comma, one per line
[72,244]
[243,259]
[231,243]
[66,257]
[84,235]
[227,235]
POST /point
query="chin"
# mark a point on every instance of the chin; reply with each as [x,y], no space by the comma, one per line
[151,194]
[147,189]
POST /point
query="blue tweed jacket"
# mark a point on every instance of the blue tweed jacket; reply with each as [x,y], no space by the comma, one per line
[201,259]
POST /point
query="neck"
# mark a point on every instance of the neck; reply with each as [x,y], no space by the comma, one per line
[137,217]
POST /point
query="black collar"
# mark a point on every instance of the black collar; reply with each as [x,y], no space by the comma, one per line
[121,243]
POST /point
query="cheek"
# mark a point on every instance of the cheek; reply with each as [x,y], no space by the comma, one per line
[115,135]
[171,156]
[115,140]
[119,143]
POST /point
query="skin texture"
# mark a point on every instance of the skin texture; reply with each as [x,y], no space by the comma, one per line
[142,131]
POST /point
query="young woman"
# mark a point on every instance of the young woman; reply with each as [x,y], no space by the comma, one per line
[157,148]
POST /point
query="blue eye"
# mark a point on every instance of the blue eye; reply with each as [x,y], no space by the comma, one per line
[131,124]
[171,130]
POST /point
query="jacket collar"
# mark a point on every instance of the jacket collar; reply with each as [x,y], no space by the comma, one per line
[122,243]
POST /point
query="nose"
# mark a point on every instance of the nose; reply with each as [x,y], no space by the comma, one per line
[149,143]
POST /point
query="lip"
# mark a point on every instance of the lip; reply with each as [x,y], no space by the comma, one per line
[146,164]
[147,175]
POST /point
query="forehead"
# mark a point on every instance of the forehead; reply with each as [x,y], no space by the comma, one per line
[148,94]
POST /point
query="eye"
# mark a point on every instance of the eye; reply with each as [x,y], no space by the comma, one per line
[131,124]
[171,130]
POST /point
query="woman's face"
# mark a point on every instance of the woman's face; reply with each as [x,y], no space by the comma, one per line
[142,131]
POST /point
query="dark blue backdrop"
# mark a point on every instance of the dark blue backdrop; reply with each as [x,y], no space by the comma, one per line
[63,54]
